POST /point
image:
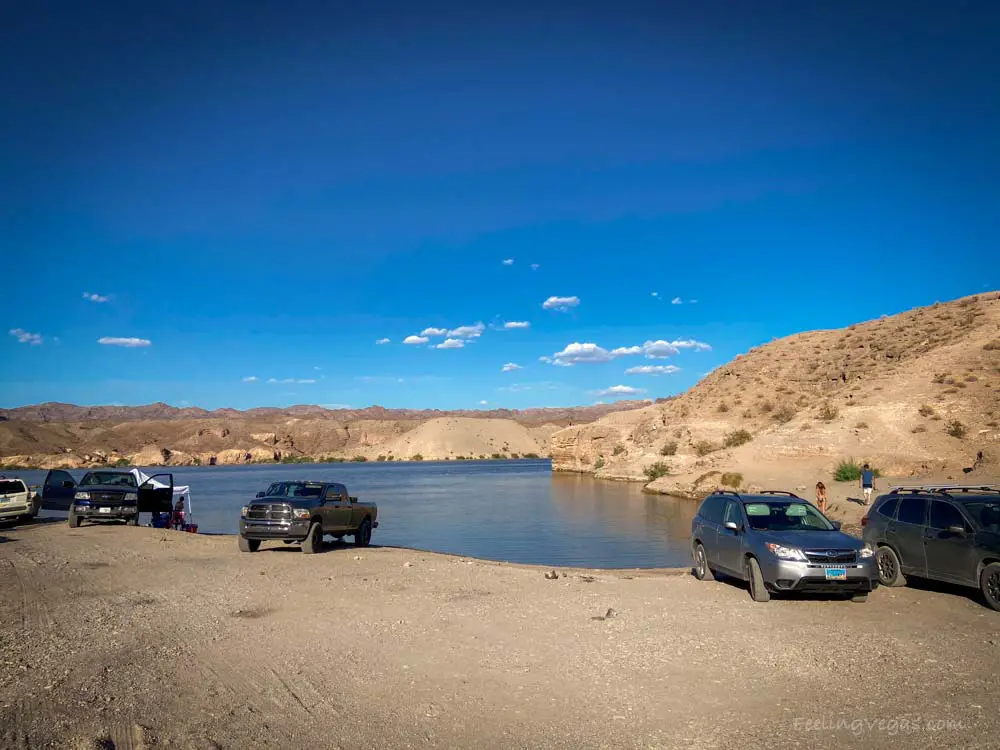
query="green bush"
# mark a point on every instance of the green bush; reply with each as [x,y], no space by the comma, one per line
[669,449]
[828,412]
[956,429]
[703,447]
[925,411]
[849,470]
[657,470]
[619,449]
[120,463]
[737,438]
[416,457]
[300,460]
[599,463]
[731,479]
[722,408]
[530,455]
[359,459]
[496,456]
[784,413]
[380,458]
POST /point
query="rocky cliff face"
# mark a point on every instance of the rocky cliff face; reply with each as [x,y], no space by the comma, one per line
[911,393]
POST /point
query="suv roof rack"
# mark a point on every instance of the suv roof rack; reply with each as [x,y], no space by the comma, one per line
[779,492]
[726,492]
[946,489]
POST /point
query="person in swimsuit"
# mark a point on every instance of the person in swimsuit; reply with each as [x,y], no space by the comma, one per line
[821,497]
[177,517]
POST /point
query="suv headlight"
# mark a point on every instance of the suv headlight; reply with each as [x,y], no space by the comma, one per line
[243,511]
[786,553]
[301,513]
[866,552]
[131,497]
[81,496]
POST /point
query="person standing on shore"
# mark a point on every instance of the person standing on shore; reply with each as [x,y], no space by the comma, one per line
[821,497]
[867,483]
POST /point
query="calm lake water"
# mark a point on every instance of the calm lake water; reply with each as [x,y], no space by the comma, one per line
[516,511]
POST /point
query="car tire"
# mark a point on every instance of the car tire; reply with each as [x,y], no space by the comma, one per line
[758,591]
[74,520]
[859,597]
[989,583]
[887,563]
[363,536]
[701,570]
[313,542]
[249,545]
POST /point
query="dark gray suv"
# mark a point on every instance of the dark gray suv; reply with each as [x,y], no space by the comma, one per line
[776,541]
[946,533]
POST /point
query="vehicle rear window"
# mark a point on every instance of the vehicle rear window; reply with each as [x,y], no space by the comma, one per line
[986,514]
[888,508]
[945,515]
[11,487]
[913,510]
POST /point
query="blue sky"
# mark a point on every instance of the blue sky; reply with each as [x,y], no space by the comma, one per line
[265,193]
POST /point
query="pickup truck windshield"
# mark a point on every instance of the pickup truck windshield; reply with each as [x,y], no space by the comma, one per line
[107,478]
[11,487]
[294,489]
[785,515]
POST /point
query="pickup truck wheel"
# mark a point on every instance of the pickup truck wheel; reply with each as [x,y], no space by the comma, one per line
[249,545]
[314,542]
[363,536]
[74,520]
[758,591]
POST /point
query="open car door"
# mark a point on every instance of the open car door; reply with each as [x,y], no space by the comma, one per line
[156,494]
[58,490]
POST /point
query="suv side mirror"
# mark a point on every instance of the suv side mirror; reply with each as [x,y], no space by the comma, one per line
[731,525]
[259,494]
[957,529]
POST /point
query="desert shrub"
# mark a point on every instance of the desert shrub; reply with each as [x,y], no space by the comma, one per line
[359,459]
[619,449]
[950,391]
[918,428]
[731,479]
[121,462]
[599,463]
[380,458]
[766,407]
[747,414]
[849,470]
[722,408]
[992,346]
[784,413]
[861,426]
[828,412]
[657,470]
[496,456]
[949,381]
[939,378]
[304,460]
[703,447]
[530,455]
[956,429]
[925,411]
[417,457]
[737,438]
[669,449]
[971,378]
[678,432]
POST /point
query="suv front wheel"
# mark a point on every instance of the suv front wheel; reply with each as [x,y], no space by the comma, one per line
[701,569]
[989,582]
[887,562]
[758,591]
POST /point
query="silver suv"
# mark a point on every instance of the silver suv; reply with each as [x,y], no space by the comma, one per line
[778,542]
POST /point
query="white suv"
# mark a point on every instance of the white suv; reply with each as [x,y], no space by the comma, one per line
[16,500]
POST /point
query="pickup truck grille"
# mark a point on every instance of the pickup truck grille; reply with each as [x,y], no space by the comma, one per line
[108,498]
[270,512]
[831,555]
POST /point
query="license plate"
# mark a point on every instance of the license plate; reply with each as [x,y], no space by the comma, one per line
[836,574]
[108,510]
[3,499]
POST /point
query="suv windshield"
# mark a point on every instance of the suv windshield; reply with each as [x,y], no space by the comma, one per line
[11,486]
[294,489]
[114,478]
[785,515]
[986,514]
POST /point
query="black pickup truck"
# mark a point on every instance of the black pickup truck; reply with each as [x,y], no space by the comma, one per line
[302,512]
[107,495]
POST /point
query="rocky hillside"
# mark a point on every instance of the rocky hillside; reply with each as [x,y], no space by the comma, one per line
[159,434]
[915,393]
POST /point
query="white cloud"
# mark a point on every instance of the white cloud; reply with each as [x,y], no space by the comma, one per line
[434,332]
[698,346]
[535,266]
[652,370]
[511,324]
[560,303]
[581,352]
[577,353]
[415,340]
[484,403]
[129,343]
[250,379]
[34,339]
[508,262]
[620,390]
[383,341]
[546,360]
[451,344]
[284,381]
[336,406]
[676,301]
[662,349]
[626,351]
[95,297]
[510,367]
[654,294]
[468,332]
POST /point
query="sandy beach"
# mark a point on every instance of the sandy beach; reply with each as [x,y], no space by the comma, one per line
[140,638]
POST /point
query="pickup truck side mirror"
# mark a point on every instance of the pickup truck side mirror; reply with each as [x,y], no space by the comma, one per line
[67,485]
[836,525]
[352,499]
[259,494]
[957,530]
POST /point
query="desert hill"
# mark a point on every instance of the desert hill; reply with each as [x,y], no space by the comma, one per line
[54,435]
[913,394]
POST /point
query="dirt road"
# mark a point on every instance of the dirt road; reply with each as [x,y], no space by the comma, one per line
[134,638]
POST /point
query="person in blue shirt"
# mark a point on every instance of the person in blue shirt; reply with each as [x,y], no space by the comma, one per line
[867,483]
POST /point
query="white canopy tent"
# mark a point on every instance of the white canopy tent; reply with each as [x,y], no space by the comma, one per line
[180,491]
